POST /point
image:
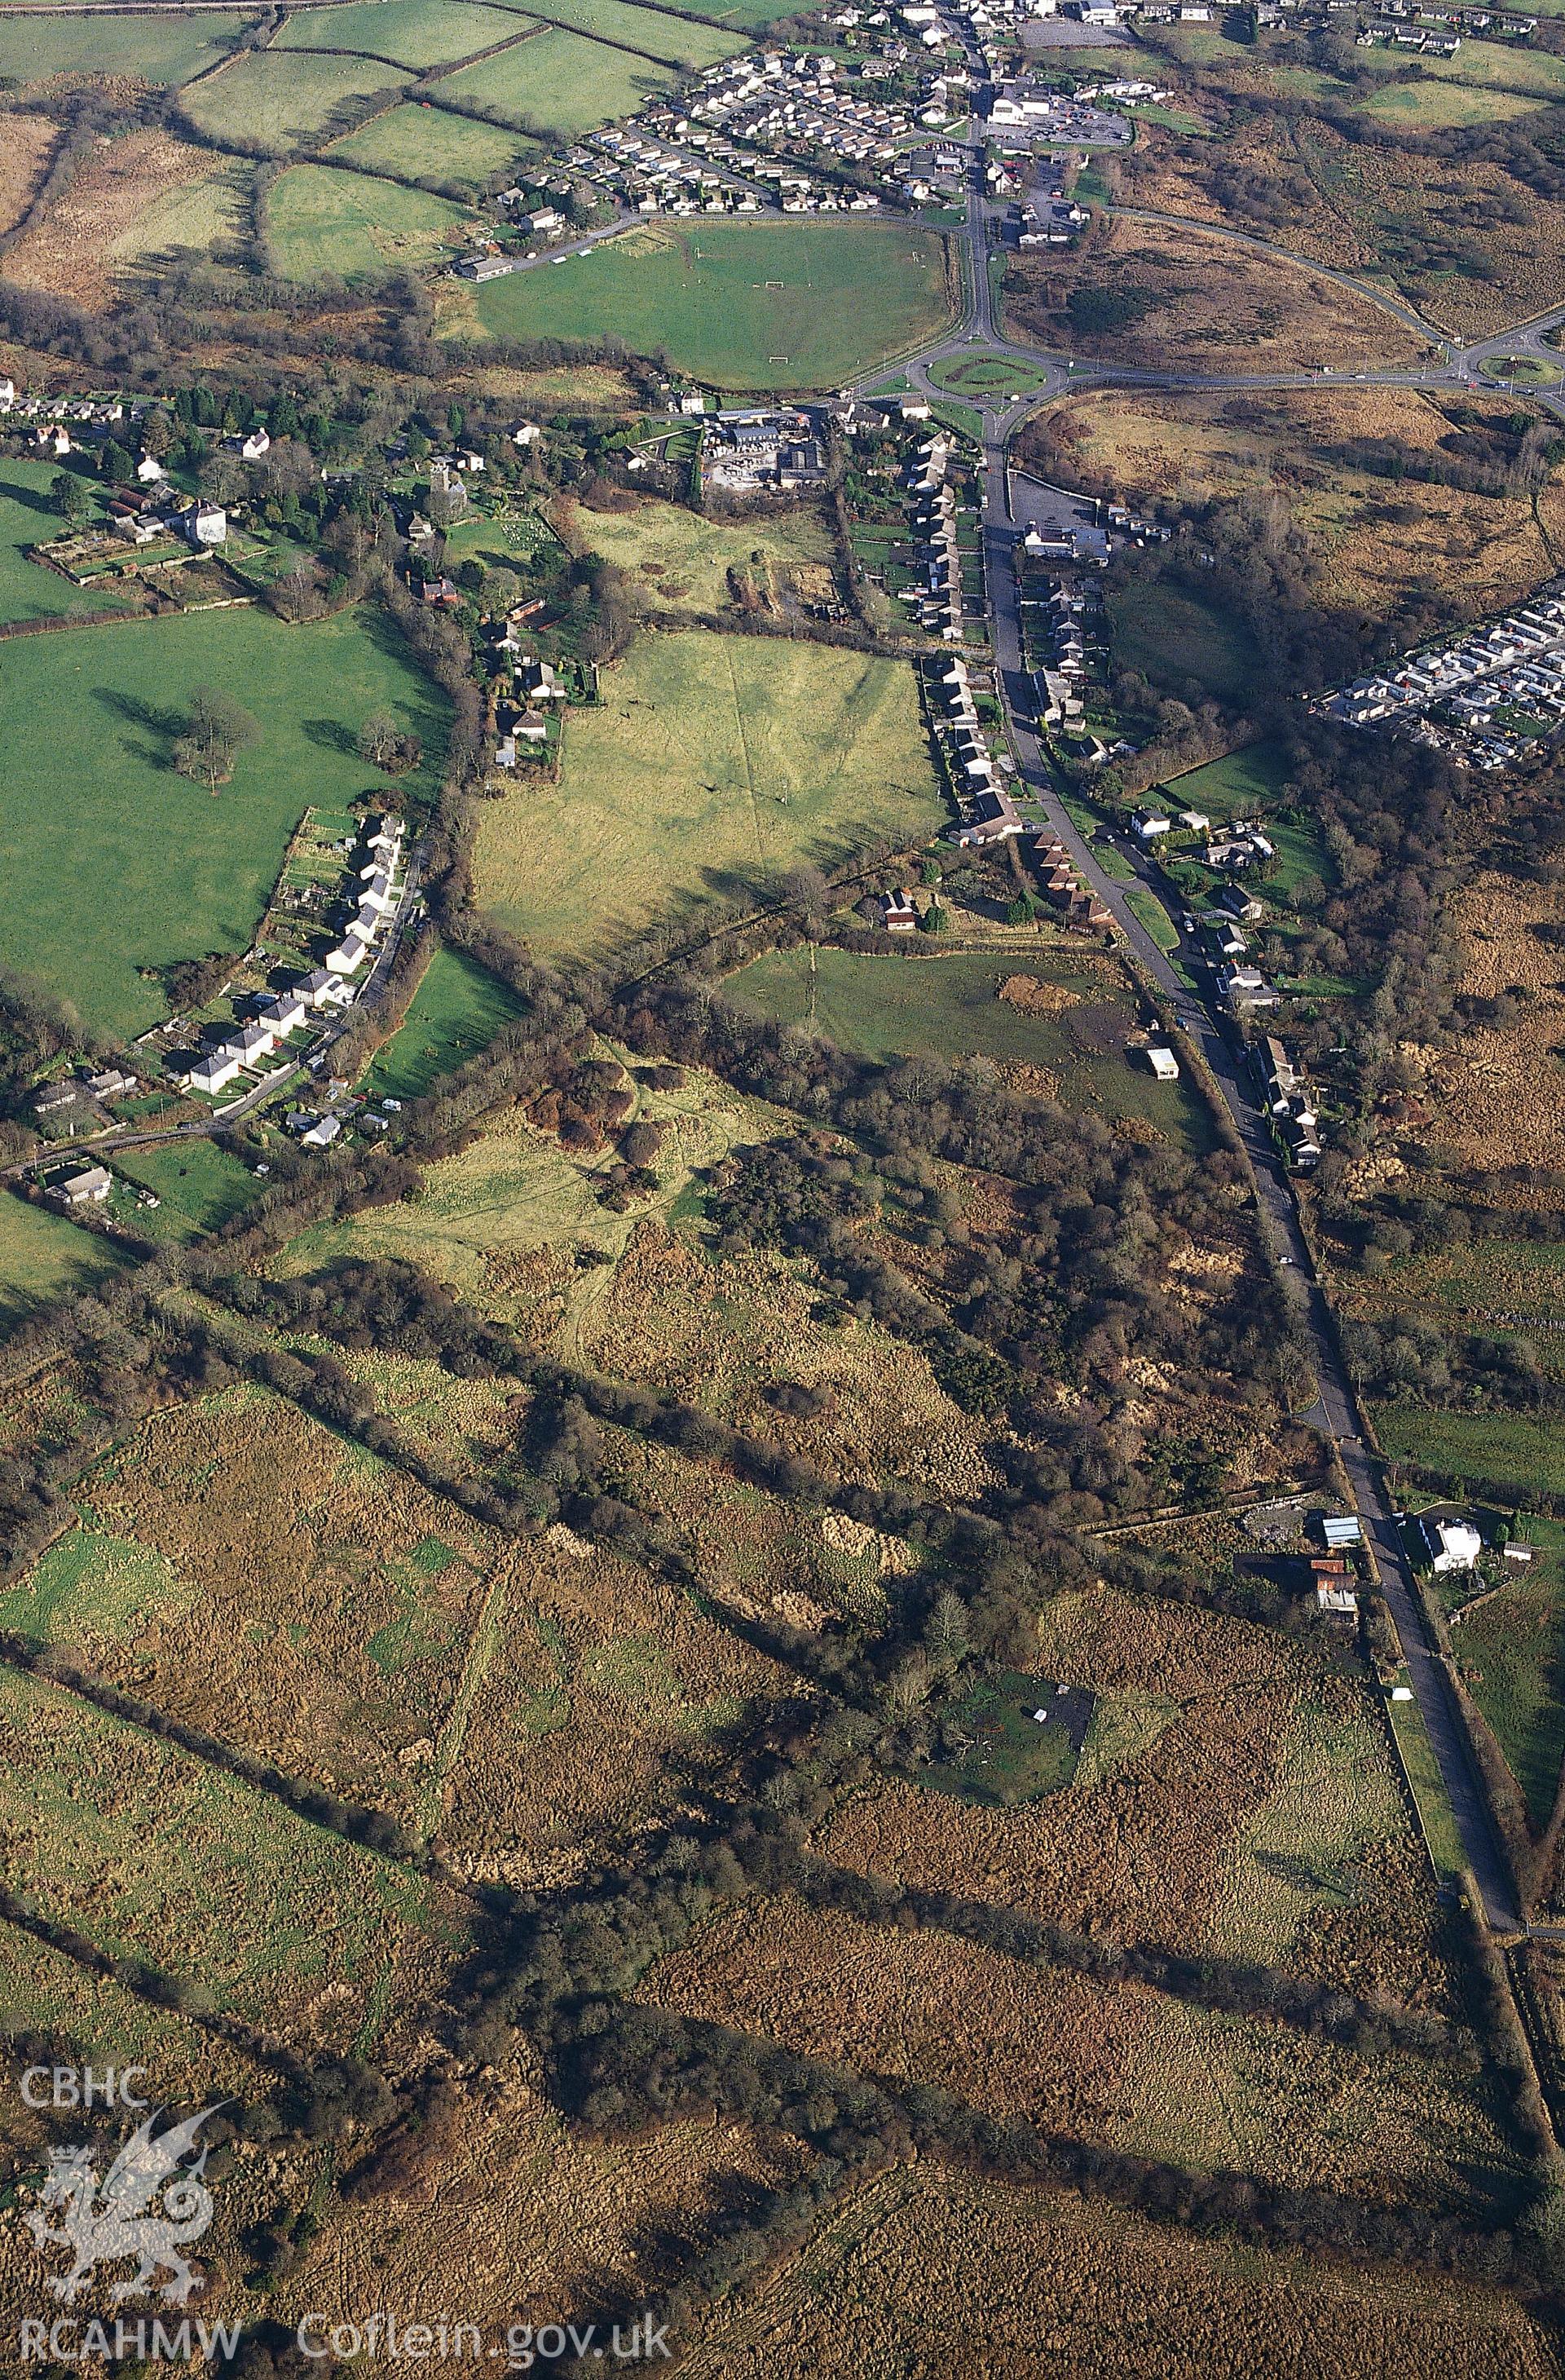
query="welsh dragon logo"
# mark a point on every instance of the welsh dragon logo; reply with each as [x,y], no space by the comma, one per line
[150,2205]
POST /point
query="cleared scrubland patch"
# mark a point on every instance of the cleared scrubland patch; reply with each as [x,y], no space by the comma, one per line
[1069,1017]
[1115,2064]
[46,1991]
[928,2266]
[1431,107]
[29,139]
[1371,534]
[1499,1090]
[1511,1647]
[1141,1839]
[441,1413]
[291,1594]
[1178,641]
[762,1558]
[1486,1285]
[723,1335]
[1329,1876]
[207,215]
[503,1221]
[1503,1452]
[1469,242]
[712,761]
[122,201]
[155,1856]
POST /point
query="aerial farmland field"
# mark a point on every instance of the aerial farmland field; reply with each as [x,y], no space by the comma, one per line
[29,515]
[43,1257]
[419,139]
[745,305]
[409,32]
[951,1006]
[457,1011]
[556,81]
[155,49]
[683,560]
[259,1878]
[320,221]
[242,1524]
[946,2014]
[679,42]
[893,2275]
[161,869]
[712,759]
[282,98]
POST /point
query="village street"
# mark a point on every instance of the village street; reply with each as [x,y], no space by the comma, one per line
[1335,1410]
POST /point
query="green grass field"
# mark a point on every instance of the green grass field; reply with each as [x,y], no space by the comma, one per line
[1522,372]
[1430,106]
[1436,1824]
[284,97]
[322,220]
[714,764]
[746,16]
[682,45]
[1483,1449]
[126,864]
[1179,643]
[457,1011]
[556,81]
[949,1007]
[43,1257]
[1512,1647]
[745,305]
[412,32]
[201,215]
[154,49]
[29,515]
[1489,1284]
[1238,784]
[431,142]
[1154,917]
[1502,65]
[197,1180]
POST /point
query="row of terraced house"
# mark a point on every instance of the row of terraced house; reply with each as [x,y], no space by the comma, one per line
[373,897]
